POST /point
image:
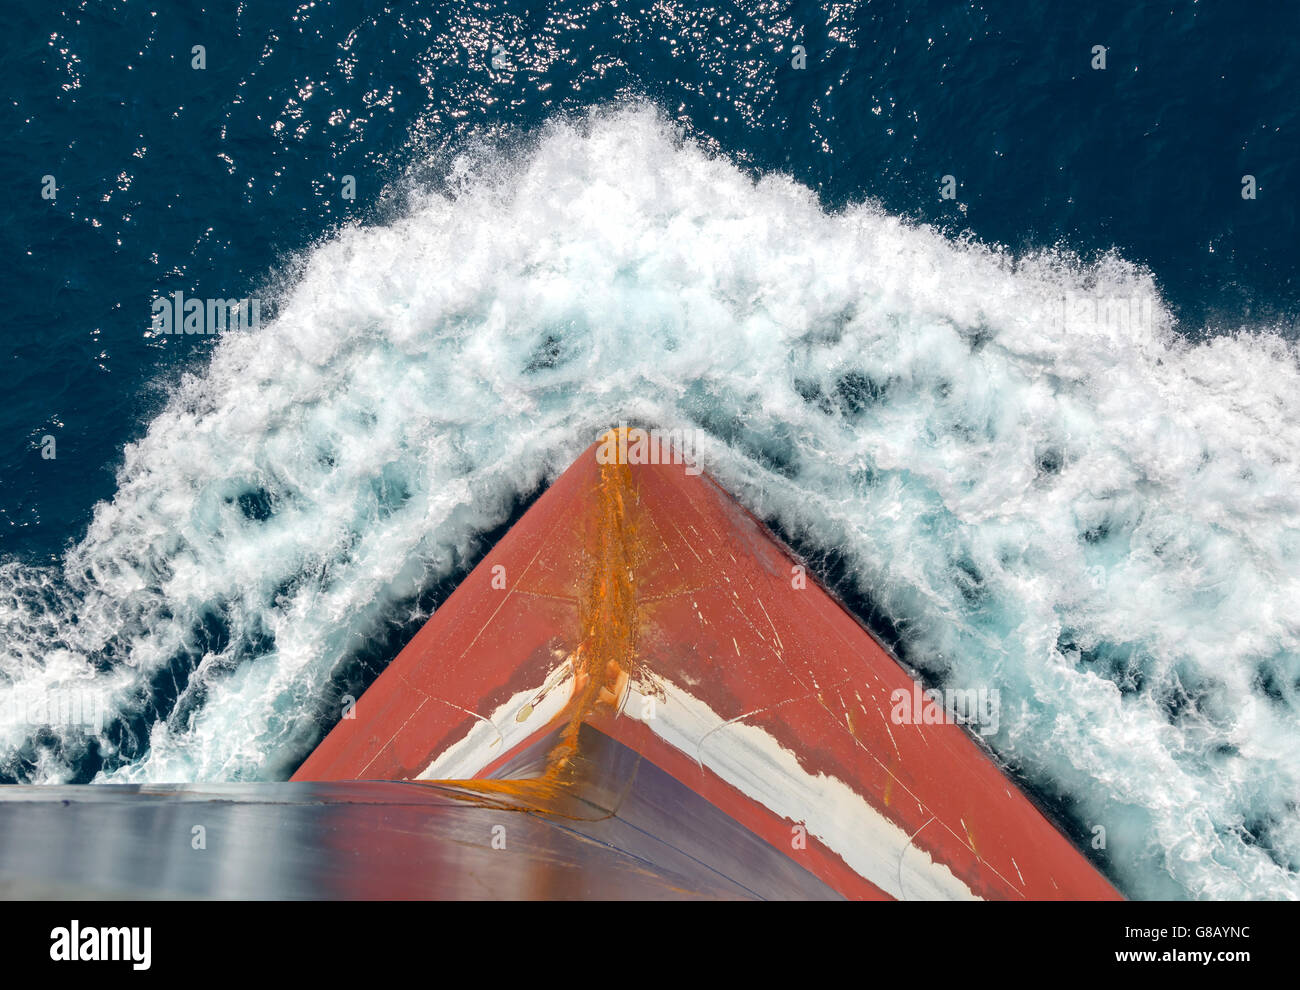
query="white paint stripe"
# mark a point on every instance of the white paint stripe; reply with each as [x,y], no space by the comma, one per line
[747,758]
[759,767]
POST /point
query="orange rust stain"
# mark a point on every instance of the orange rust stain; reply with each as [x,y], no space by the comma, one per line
[890,780]
[970,838]
[607,625]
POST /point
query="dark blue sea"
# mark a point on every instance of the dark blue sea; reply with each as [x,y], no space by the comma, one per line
[1002,338]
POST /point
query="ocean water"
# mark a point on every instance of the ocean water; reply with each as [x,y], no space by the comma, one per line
[1044,436]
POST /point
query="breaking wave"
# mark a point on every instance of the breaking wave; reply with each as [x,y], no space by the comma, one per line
[1036,482]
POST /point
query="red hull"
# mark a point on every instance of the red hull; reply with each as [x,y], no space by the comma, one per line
[643,601]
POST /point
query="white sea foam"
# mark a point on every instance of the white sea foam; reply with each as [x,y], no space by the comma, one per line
[1095,517]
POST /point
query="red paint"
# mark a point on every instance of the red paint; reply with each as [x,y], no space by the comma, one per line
[717,615]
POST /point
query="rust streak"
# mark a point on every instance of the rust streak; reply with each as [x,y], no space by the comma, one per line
[605,656]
